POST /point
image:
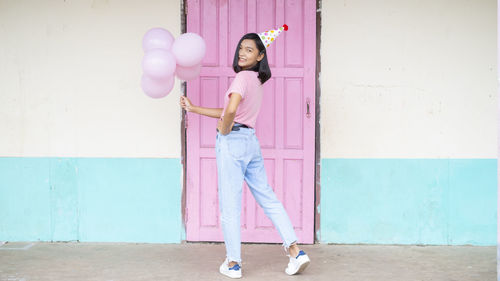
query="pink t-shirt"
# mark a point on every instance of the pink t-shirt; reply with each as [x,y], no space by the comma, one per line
[247,84]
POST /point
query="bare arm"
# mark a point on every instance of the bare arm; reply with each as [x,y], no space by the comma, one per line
[210,112]
[226,124]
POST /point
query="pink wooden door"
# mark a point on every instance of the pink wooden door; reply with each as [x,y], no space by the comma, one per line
[284,128]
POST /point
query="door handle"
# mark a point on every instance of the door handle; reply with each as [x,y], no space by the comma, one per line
[308,105]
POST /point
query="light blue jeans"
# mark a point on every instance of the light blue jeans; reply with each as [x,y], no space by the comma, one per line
[239,158]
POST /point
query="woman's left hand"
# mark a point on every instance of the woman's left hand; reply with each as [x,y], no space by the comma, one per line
[219,127]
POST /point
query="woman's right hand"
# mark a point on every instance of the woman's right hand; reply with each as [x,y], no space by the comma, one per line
[186,104]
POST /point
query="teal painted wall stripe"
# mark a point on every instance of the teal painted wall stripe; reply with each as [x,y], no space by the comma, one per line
[409,201]
[375,201]
[90,199]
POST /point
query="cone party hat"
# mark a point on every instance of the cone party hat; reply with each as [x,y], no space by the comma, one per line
[268,37]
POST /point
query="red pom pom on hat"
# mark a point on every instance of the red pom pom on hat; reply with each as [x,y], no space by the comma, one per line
[286,27]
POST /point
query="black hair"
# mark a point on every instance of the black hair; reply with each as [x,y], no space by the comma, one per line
[262,67]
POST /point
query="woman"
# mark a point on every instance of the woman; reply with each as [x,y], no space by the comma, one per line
[239,156]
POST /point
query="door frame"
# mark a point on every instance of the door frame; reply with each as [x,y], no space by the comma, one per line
[317,146]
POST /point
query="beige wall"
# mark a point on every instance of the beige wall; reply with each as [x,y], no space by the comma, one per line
[408,79]
[400,79]
[70,80]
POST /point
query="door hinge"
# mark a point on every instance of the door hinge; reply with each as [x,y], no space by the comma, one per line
[186,218]
[186,7]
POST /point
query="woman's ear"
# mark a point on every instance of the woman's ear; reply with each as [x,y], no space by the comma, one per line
[261,56]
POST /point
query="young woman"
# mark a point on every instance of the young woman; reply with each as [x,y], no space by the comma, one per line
[239,156]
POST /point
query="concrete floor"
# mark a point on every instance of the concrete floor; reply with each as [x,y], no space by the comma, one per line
[200,261]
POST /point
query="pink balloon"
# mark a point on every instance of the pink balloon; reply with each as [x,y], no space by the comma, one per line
[157,38]
[158,64]
[189,49]
[188,73]
[157,88]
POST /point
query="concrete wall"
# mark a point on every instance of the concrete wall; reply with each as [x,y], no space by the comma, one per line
[69,80]
[408,122]
[82,146]
[498,142]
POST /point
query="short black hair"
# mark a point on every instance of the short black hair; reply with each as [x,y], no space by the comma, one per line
[262,67]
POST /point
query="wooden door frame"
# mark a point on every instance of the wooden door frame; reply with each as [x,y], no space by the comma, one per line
[317,146]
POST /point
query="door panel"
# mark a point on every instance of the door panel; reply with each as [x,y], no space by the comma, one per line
[285,130]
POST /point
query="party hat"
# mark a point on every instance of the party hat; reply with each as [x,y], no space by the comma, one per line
[267,37]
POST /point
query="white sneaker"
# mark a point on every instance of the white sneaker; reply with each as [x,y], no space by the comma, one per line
[297,264]
[233,272]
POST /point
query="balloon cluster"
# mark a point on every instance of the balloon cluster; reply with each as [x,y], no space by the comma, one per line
[166,57]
